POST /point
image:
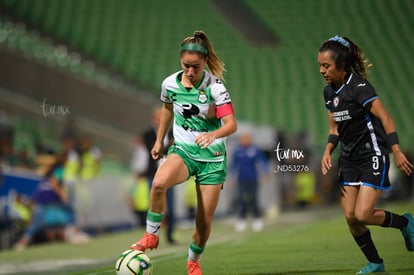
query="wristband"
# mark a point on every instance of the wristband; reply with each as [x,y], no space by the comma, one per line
[333,139]
[392,139]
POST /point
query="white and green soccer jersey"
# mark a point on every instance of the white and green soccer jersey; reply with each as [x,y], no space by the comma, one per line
[191,118]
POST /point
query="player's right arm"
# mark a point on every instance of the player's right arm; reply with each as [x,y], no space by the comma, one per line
[165,122]
[326,163]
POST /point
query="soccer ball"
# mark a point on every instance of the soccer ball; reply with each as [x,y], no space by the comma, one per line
[133,262]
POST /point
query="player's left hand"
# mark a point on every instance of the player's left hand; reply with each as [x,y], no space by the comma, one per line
[402,163]
[205,139]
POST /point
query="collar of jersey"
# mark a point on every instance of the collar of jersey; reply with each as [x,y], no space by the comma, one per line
[196,86]
[343,85]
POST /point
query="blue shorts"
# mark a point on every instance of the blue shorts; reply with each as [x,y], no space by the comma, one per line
[371,171]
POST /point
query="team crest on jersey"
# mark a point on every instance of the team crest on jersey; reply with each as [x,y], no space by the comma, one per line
[336,101]
[202,97]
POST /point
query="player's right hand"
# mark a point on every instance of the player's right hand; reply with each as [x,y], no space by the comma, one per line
[157,151]
[326,163]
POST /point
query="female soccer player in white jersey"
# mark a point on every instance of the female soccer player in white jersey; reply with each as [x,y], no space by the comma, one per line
[367,135]
[199,106]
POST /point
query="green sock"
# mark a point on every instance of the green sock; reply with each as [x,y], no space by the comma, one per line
[194,252]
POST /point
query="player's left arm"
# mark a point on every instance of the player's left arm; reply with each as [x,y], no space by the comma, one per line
[223,111]
[377,109]
[228,127]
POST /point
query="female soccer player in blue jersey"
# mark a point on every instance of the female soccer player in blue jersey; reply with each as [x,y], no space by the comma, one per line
[199,106]
[359,121]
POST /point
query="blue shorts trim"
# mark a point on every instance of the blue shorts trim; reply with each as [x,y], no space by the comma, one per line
[366,184]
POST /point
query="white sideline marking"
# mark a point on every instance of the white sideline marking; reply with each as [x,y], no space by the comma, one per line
[44,266]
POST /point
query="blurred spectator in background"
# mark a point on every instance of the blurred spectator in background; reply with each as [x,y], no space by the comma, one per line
[22,208]
[138,198]
[50,193]
[90,159]
[44,160]
[71,177]
[86,167]
[246,160]
[149,137]
[73,162]
[305,183]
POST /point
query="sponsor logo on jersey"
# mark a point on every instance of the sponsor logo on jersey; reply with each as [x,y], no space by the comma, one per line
[341,116]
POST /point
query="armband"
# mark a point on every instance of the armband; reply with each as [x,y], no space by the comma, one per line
[392,139]
[224,110]
[333,139]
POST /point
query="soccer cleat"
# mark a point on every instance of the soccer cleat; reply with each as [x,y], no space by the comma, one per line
[408,232]
[193,267]
[148,241]
[371,268]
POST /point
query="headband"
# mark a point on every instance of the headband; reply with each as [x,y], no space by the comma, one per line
[340,40]
[193,47]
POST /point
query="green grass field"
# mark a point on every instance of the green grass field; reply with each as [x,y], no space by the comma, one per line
[309,242]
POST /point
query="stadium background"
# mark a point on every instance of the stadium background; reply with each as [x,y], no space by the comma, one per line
[104,61]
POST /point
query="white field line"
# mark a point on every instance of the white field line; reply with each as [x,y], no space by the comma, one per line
[62,265]
[163,254]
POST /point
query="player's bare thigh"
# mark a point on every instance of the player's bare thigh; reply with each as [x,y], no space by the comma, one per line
[365,206]
[172,171]
[349,196]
